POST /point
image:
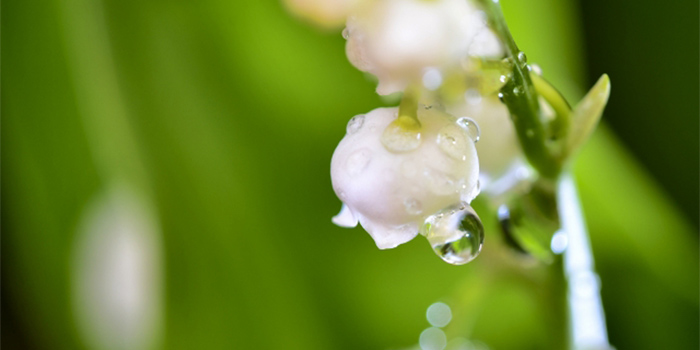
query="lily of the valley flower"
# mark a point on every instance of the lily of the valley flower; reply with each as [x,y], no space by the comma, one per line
[392,190]
[400,41]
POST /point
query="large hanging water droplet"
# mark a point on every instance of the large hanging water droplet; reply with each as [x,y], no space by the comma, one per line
[402,135]
[455,233]
[355,124]
[471,127]
[346,33]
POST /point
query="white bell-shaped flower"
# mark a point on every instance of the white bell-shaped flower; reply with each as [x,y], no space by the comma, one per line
[399,41]
[391,180]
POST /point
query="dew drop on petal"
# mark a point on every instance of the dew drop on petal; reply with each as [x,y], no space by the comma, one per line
[455,233]
[357,161]
[346,33]
[402,135]
[471,127]
[439,182]
[412,206]
[355,124]
[452,141]
[469,193]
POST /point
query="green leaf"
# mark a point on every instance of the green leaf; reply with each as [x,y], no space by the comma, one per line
[587,114]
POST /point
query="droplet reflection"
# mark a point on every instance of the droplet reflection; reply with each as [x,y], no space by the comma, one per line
[455,233]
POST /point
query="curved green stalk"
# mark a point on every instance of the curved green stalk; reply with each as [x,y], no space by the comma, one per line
[521,98]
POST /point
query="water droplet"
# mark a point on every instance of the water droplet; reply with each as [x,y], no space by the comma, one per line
[402,135]
[432,79]
[346,33]
[536,69]
[508,61]
[355,124]
[412,206]
[503,78]
[439,315]
[471,127]
[469,193]
[455,233]
[522,58]
[516,90]
[439,182]
[473,97]
[453,141]
[559,242]
[500,96]
[432,339]
[358,161]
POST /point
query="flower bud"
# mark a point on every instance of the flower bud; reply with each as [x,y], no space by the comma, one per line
[399,40]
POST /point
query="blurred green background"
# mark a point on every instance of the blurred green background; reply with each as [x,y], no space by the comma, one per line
[223,115]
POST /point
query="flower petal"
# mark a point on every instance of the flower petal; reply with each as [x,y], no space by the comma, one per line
[345,218]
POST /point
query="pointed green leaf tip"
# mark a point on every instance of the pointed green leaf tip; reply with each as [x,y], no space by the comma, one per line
[587,113]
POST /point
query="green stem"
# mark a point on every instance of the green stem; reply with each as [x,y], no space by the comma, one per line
[409,105]
[559,127]
[521,98]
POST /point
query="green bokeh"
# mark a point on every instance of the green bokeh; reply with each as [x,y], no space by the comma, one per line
[225,114]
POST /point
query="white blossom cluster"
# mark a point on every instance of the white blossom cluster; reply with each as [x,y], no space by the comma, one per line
[395,172]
